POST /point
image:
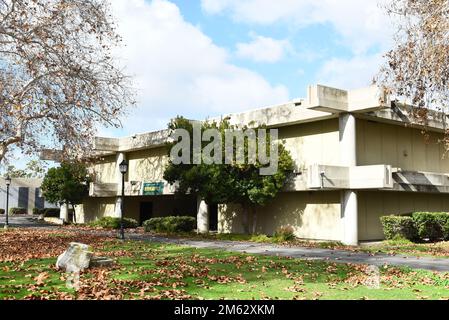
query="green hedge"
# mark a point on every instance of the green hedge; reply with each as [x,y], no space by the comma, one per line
[419,226]
[431,225]
[170,224]
[17,210]
[47,212]
[399,226]
[114,223]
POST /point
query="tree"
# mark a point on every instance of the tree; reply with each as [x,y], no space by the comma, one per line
[67,184]
[33,169]
[417,68]
[228,183]
[58,77]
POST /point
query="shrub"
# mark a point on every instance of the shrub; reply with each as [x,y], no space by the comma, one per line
[18,210]
[2,211]
[47,212]
[430,225]
[170,224]
[446,230]
[399,226]
[51,212]
[153,224]
[399,241]
[284,234]
[114,223]
[260,238]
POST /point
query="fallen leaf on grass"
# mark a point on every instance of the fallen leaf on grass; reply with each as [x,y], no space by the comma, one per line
[40,278]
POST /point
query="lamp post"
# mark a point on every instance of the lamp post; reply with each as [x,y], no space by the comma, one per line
[8,183]
[123,167]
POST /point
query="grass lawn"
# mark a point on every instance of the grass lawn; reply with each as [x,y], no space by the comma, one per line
[405,247]
[162,271]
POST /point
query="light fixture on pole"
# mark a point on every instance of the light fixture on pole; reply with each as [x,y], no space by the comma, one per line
[123,167]
[8,183]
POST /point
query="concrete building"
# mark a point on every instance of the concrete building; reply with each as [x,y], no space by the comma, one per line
[358,156]
[23,193]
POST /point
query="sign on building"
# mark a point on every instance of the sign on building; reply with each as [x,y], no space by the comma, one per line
[152,188]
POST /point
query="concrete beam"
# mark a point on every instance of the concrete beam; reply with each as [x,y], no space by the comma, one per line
[51,155]
[133,143]
[357,177]
[328,177]
[334,100]
[103,189]
[415,181]
[400,114]
[371,177]
[368,99]
[327,99]
[279,116]
[106,144]
[144,141]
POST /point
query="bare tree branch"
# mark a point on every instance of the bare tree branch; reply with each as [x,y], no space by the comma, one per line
[58,78]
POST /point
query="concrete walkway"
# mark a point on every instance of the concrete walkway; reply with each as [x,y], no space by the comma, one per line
[23,221]
[342,256]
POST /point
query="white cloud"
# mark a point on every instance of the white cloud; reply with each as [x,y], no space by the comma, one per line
[263,49]
[349,73]
[361,24]
[179,70]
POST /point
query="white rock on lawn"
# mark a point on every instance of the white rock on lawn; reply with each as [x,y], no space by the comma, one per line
[76,258]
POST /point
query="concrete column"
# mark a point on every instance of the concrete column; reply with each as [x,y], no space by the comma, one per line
[64,212]
[202,217]
[349,213]
[348,154]
[348,158]
[118,207]
[118,178]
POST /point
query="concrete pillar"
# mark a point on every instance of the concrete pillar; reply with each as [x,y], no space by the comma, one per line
[202,217]
[348,154]
[118,207]
[348,158]
[349,213]
[118,177]
[64,212]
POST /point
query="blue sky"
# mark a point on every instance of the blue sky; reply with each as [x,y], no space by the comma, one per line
[318,42]
[203,58]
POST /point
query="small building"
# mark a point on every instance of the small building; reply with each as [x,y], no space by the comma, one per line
[358,156]
[23,193]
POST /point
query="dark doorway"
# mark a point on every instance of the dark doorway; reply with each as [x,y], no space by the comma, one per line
[213,217]
[39,201]
[146,211]
[23,197]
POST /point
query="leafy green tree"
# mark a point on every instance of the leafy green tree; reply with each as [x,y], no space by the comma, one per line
[33,169]
[66,184]
[228,183]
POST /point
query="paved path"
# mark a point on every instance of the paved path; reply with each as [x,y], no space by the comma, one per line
[435,264]
[23,221]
